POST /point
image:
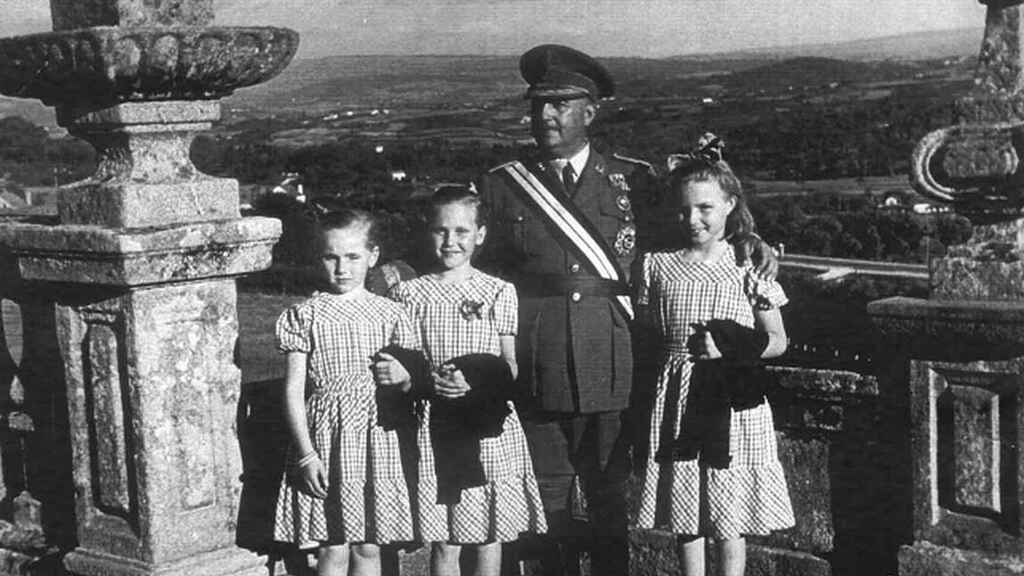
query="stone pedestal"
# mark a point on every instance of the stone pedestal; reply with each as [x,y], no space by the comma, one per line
[964,365]
[139,269]
[960,353]
[147,331]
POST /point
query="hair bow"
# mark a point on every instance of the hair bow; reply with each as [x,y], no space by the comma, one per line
[708,152]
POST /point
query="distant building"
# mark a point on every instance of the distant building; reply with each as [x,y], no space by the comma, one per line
[291,186]
[11,201]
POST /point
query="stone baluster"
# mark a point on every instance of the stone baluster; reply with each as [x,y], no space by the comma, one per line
[139,271]
[960,353]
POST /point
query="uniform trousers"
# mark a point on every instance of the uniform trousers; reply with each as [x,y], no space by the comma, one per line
[589,452]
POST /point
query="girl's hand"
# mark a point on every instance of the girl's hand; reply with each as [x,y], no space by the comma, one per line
[450,383]
[711,351]
[387,371]
[702,345]
[313,478]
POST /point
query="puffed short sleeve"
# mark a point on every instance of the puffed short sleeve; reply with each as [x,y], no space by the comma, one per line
[404,333]
[294,327]
[763,294]
[643,282]
[506,310]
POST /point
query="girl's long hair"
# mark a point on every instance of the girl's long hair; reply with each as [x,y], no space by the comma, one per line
[705,164]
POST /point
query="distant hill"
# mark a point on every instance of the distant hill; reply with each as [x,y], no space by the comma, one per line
[812,71]
[912,46]
[326,85]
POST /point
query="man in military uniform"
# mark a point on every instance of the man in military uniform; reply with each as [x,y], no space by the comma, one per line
[564,232]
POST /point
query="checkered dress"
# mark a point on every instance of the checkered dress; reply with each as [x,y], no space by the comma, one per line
[750,496]
[454,320]
[367,498]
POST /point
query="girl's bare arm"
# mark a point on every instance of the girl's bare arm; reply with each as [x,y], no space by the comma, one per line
[771,322]
[508,352]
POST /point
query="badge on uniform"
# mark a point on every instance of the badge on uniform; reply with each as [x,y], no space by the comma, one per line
[625,240]
[619,181]
[470,309]
[622,201]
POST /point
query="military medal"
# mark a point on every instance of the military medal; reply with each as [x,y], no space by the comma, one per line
[619,181]
[625,240]
[622,201]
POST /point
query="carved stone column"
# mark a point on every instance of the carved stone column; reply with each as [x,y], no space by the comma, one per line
[140,268]
[960,353]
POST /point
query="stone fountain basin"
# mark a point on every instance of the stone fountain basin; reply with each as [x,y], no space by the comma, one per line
[106,64]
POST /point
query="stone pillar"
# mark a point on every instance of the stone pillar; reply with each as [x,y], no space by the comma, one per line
[140,268]
[961,351]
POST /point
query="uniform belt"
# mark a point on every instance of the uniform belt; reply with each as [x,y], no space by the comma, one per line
[557,285]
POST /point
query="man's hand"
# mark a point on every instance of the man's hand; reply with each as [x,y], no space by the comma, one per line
[763,257]
[388,371]
[450,383]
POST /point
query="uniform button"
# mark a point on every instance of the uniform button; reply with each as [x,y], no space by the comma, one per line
[574,268]
[628,217]
[576,296]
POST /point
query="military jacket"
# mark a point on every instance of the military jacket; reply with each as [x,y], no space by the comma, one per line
[574,346]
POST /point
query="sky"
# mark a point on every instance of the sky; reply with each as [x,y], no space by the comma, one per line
[651,28]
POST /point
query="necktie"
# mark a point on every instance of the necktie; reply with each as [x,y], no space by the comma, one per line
[568,176]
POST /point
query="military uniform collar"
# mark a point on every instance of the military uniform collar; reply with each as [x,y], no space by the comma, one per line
[578,160]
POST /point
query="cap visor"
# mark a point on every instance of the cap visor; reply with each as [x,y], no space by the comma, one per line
[560,92]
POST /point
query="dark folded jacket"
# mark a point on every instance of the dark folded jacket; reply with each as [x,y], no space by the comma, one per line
[457,425]
[395,408]
[737,381]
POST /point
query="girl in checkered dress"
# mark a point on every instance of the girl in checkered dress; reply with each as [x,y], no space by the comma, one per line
[680,295]
[460,310]
[344,490]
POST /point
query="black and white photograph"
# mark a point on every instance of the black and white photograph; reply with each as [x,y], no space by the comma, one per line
[511,288]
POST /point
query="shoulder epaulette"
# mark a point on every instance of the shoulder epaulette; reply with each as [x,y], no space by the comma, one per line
[502,166]
[637,161]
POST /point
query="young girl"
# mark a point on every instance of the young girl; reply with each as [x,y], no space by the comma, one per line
[461,311]
[712,469]
[345,489]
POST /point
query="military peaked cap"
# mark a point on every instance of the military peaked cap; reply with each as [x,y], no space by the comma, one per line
[562,72]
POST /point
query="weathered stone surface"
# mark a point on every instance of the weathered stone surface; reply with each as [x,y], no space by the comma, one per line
[93,255]
[233,562]
[989,266]
[106,65]
[152,394]
[145,176]
[128,204]
[806,462]
[654,553]
[999,62]
[762,561]
[951,329]
[140,271]
[827,382]
[69,14]
[975,162]
[954,449]
[925,559]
